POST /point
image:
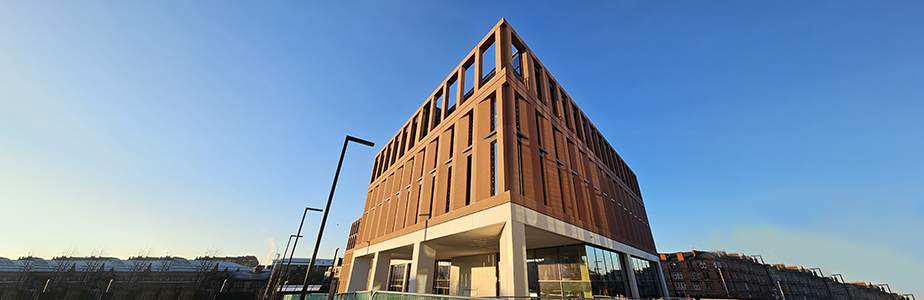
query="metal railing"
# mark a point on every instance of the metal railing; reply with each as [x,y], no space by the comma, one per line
[386,295]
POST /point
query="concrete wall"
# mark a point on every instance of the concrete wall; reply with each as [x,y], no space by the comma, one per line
[474,276]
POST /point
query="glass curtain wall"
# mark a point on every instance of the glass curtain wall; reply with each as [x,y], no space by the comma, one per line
[580,271]
[648,278]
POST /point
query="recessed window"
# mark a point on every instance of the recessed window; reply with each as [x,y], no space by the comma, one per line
[553,94]
[494,168]
[537,80]
[488,63]
[425,123]
[448,186]
[517,61]
[468,82]
[452,140]
[468,180]
[493,114]
[471,127]
[451,95]
[438,111]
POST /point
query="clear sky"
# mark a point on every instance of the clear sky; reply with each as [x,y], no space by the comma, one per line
[788,129]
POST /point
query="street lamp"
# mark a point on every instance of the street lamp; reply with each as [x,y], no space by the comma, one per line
[314,254]
[278,265]
[299,234]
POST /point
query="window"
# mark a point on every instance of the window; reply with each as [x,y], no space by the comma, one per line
[417,207]
[545,199]
[709,286]
[564,107]
[396,278]
[432,190]
[677,275]
[468,180]
[403,141]
[437,110]
[488,63]
[494,168]
[451,95]
[680,286]
[692,275]
[516,105]
[552,93]
[493,114]
[426,121]
[517,60]
[441,281]
[702,265]
[452,140]
[717,264]
[471,127]
[537,80]
[448,186]
[468,78]
[673,265]
[413,135]
[696,286]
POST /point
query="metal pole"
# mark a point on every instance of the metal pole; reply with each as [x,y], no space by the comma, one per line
[277,265]
[299,233]
[333,186]
[330,282]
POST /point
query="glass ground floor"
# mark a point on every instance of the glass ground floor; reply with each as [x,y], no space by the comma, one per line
[486,255]
[585,271]
[574,271]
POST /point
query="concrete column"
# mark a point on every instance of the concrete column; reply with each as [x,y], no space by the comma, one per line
[630,272]
[380,271]
[359,273]
[512,265]
[423,269]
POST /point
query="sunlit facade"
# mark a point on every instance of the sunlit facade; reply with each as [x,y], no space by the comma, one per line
[499,185]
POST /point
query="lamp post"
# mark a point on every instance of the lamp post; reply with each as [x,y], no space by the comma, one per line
[299,234]
[278,264]
[314,254]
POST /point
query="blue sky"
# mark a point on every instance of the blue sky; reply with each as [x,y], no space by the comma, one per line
[787,129]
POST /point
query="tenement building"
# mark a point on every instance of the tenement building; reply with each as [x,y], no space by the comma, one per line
[499,185]
[721,275]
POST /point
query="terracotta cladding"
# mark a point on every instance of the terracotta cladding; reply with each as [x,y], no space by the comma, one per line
[516,136]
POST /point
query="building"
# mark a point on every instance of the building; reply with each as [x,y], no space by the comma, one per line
[294,273]
[721,275]
[138,278]
[717,275]
[499,185]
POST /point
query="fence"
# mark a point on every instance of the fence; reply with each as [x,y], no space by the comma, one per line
[384,295]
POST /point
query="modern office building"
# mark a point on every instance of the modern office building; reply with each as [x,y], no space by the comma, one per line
[499,185]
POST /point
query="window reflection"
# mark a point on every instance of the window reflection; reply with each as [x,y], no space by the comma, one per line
[576,271]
